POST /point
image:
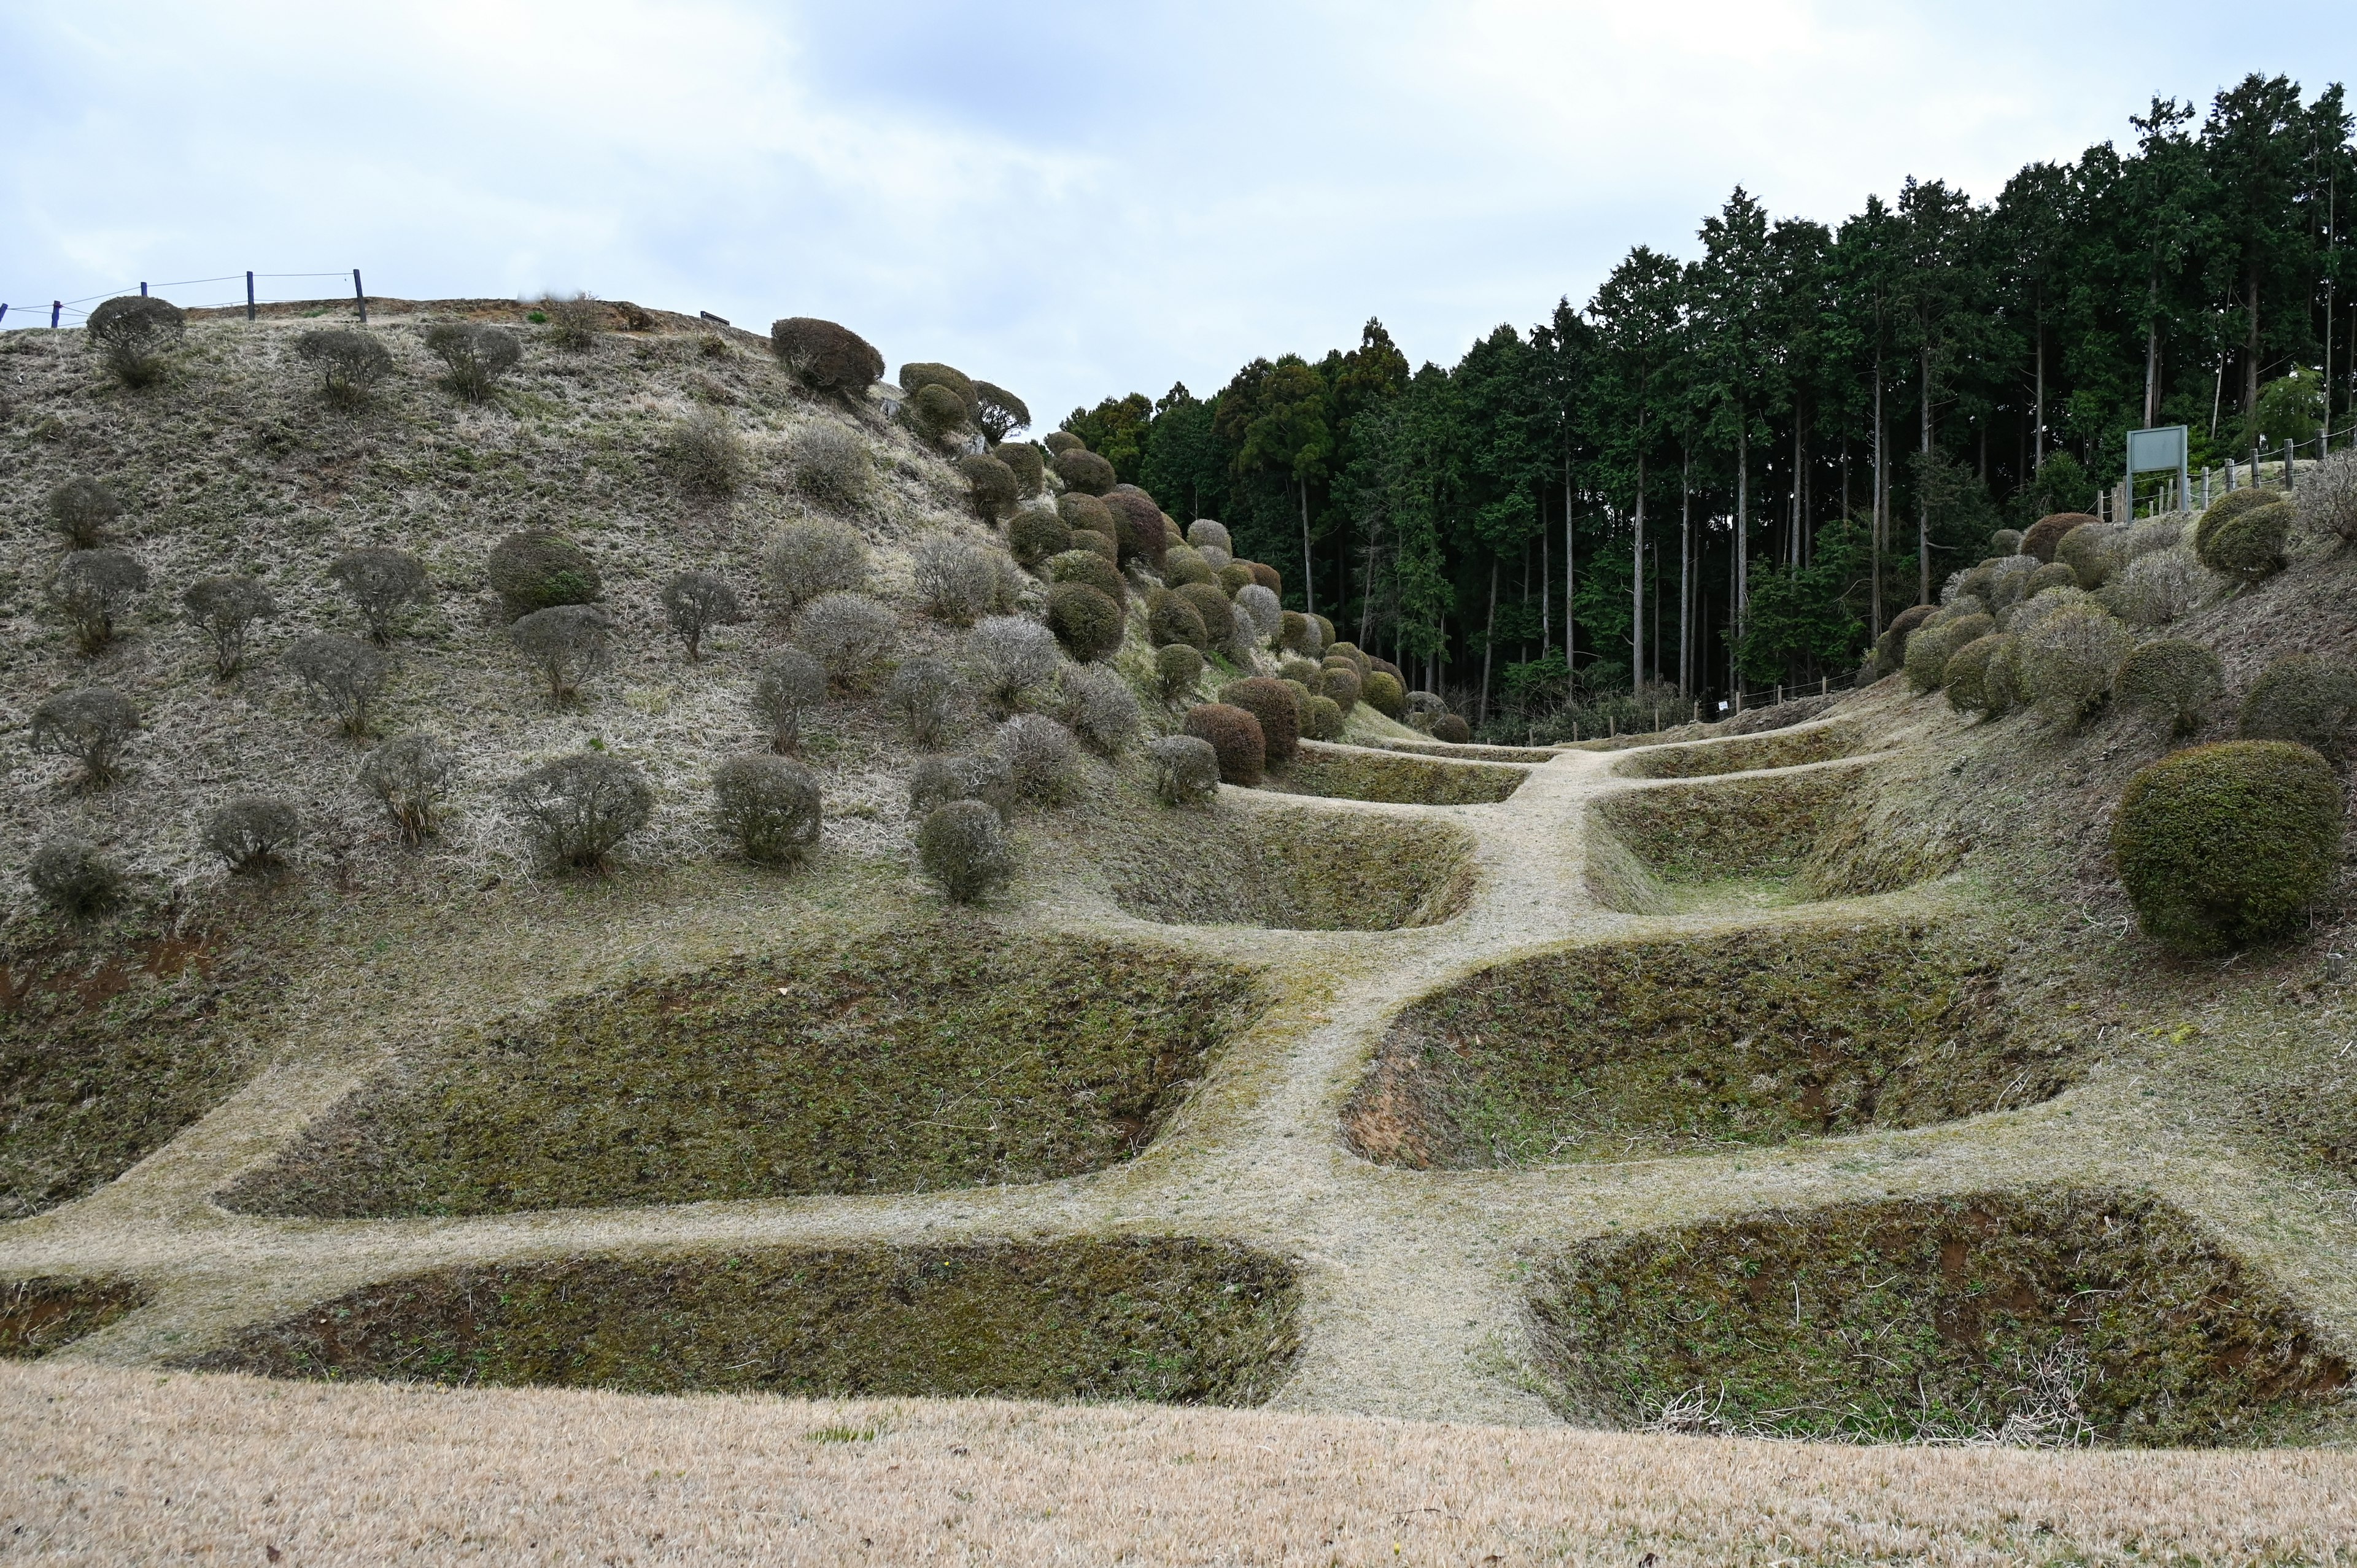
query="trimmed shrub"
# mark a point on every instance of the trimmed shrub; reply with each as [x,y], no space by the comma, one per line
[1322,718]
[1934,642]
[1383,691]
[925,692]
[2248,546]
[964,848]
[1088,566]
[1186,769]
[1277,709]
[224,609]
[2092,551]
[2306,699]
[849,633]
[575,322]
[1008,658]
[1085,622]
[73,878]
[1325,631]
[2156,588]
[999,414]
[1235,577]
[1966,677]
[566,643]
[1890,649]
[695,602]
[1025,462]
[1036,535]
[1219,561]
[812,556]
[2170,679]
[1452,728]
[936,413]
[343,675]
[1341,685]
[1257,614]
[824,356]
[1235,735]
[1099,708]
[536,569]
[705,454]
[1042,757]
[577,809]
[474,356]
[1218,616]
[1349,650]
[92,587]
[2026,616]
[2005,542]
[381,583]
[2327,496]
[82,510]
[1182,564]
[91,724]
[1171,619]
[1176,668]
[2047,534]
[956,582]
[1204,531]
[1423,707]
[2220,845]
[920,374]
[788,683]
[410,775]
[831,465]
[247,832]
[1307,671]
[937,780]
[1084,470]
[2227,508]
[990,485]
[768,805]
[1137,525]
[2067,661]
[134,336]
[1059,442]
[1087,514]
[1297,633]
[1097,543]
[2046,579]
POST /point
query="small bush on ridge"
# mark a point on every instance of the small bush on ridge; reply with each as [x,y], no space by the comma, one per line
[695,602]
[1322,718]
[1278,710]
[991,486]
[410,777]
[1176,669]
[351,361]
[1085,620]
[2067,661]
[2248,546]
[1000,413]
[381,583]
[849,633]
[224,609]
[343,675]
[768,805]
[475,356]
[134,336]
[1036,535]
[825,355]
[578,809]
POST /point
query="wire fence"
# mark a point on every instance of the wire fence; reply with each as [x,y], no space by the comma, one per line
[75,312]
[2278,464]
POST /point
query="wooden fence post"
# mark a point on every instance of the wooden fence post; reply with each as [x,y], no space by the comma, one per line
[248,296]
[360,296]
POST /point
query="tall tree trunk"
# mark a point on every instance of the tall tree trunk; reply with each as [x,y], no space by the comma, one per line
[1546,584]
[1570,579]
[2250,356]
[1489,638]
[1308,573]
[1685,579]
[1922,499]
[2152,354]
[1637,573]
[1742,514]
[1879,527]
[2038,414]
[1792,543]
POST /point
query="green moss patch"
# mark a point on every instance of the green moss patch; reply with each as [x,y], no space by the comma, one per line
[1396,778]
[2061,1316]
[1175,1322]
[1740,754]
[38,1315]
[1295,870]
[1683,1046]
[946,1054]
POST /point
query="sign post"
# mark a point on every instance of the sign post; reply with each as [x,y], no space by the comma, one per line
[2159,450]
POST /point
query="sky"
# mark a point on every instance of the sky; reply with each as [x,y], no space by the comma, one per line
[1072,200]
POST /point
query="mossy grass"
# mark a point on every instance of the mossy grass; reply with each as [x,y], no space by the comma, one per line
[1168,1321]
[41,1315]
[1669,1047]
[931,1056]
[2059,1315]
[1346,773]
[1295,870]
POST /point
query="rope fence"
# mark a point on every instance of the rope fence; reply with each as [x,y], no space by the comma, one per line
[70,312]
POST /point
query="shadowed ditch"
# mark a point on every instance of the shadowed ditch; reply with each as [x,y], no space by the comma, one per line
[1740,754]
[41,1315]
[1396,778]
[1298,870]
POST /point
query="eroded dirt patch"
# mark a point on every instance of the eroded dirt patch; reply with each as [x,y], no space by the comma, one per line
[1297,870]
[41,1315]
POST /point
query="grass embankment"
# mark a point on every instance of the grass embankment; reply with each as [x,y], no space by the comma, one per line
[1169,1321]
[1297,870]
[2064,1317]
[1685,1046]
[1743,754]
[38,1315]
[1394,777]
[949,1054]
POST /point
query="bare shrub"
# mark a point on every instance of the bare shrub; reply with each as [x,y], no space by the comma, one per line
[2327,498]
[73,878]
[937,780]
[1186,769]
[1099,708]
[91,724]
[925,693]
[1176,669]
[695,602]
[343,675]
[825,355]
[566,643]
[768,805]
[850,635]
[133,337]
[1042,756]
[92,587]
[998,411]
[410,777]
[475,356]
[2170,679]
[1256,608]
[812,556]
[956,581]
[964,849]
[577,809]
[2158,587]
[350,362]
[1008,658]
[224,609]
[990,485]
[2067,661]
[574,322]
[83,509]
[248,833]
[705,454]
[534,569]
[788,683]
[381,583]
[1206,533]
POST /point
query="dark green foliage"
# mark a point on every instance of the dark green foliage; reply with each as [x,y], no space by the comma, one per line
[2223,846]
[1025,462]
[1273,703]
[567,644]
[577,809]
[2172,680]
[343,676]
[695,602]
[1235,736]
[705,454]
[91,724]
[1000,413]
[1035,536]
[1383,691]
[990,485]
[827,357]
[2248,546]
[1169,619]
[92,587]
[2046,533]
[1211,606]
[1966,677]
[1297,633]
[40,1313]
[1084,470]
[915,378]
[2061,1317]
[963,847]
[1176,668]
[1186,769]
[73,878]
[1452,728]
[536,569]
[925,695]
[1059,442]
[476,356]
[1087,514]
[936,413]
[768,805]
[224,609]
[1322,718]
[1087,622]
[134,335]
[2227,508]
[2005,542]
[410,777]
[2308,699]
[381,583]
[83,509]
[788,683]
[248,833]
[350,362]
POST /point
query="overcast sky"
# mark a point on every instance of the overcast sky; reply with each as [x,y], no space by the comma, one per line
[1072,200]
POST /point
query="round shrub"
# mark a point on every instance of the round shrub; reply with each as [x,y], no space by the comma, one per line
[1296,633]
[247,832]
[1186,769]
[1059,442]
[2047,578]
[89,725]
[788,683]
[1097,543]
[1322,718]
[695,602]
[1084,470]
[2067,661]
[1452,728]
[1235,735]
[831,465]
[935,781]
[2170,680]
[1423,707]
[850,635]
[351,361]
[1182,564]
[705,454]
[1099,708]
[224,609]
[409,775]
[73,878]
[475,356]
[1088,566]
[381,583]
[567,644]
[990,485]
[92,587]
[2047,532]
[2308,699]
[824,356]
[82,510]
[1008,658]
[133,334]
[812,556]
[1211,606]
[1257,614]
[920,374]
[1087,514]
[2092,550]
[964,848]
[1138,529]
[577,809]
[536,568]
[2220,845]
[956,581]
[1036,535]
[1203,531]
[343,676]
[1272,579]
[1340,683]
[1176,668]
[2005,542]
[2248,546]
[1966,677]
[925,692]
[1383,691]
[1278,711]
[1891,650]
[2158,587]
[1025,462]
[1308,672]
[1349,650]
[1934,642]
[1235,577]
[1041,758]
[768,805]
[1169,619]
[998,412]
[1325,631]
[2227,508]
[1087,622]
